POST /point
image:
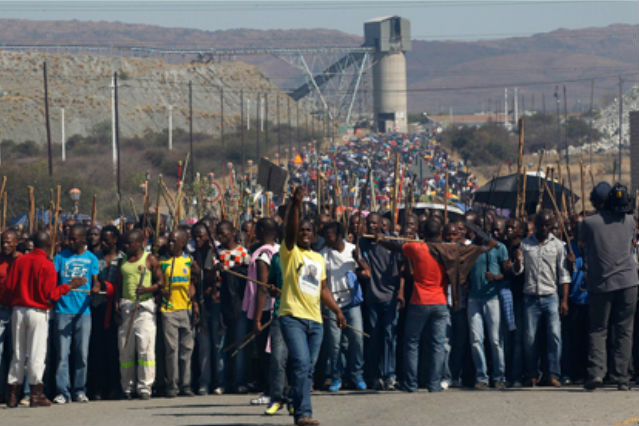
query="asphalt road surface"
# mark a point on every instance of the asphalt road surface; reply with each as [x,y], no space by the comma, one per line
[539,406]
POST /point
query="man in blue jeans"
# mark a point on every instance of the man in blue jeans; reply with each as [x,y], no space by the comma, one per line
[543,261]
[304,285]
[340,272]
[428,305]
[381,292]
[73,316]
[484,313]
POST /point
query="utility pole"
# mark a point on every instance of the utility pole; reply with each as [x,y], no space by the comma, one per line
[170,127]
[266,139]
[279,126]
[288,115]
[114,148]
[505,106]
[557,102]
[259,125]
[592,99]
[46,117]
[116,127]
[516,106]
[191,131]
[620,122]
[566,127]
[242,132]
[64,145]
[297,123]
[222,115]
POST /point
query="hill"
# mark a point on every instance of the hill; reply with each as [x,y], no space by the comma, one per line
[467,76]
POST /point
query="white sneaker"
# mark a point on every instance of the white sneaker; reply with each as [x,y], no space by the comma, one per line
[60,399]
[261,400]
[25,402]
[444,384]
[80,398]
[218,391]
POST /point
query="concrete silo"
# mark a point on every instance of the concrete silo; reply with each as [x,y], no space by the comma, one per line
[390,37]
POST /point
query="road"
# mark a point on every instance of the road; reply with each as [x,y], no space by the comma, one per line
[539,406]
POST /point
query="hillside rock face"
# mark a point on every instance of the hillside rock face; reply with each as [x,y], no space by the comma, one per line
[608,121]
[81,84]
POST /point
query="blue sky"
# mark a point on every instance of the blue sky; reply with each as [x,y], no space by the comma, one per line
[430,20]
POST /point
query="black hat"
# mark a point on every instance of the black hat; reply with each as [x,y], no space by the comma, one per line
[599,194]
[619,201]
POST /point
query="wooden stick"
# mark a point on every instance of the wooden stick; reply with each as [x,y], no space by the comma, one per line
[4,211]
[94,209]
[270,287]
[178,197]
[583,191]
[519,164]
[135,213]
[252,336]
[571,207]
[31,209]
[592,178]
[392,238]
[357,330]
[4,185]
[56,215]
[446,198]
[559,216]
[395,189]
[156,245]
[523,194]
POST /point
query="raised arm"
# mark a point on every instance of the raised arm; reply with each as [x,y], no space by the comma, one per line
[293,218]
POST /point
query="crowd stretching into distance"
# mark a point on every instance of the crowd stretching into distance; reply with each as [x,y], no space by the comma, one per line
[326,299]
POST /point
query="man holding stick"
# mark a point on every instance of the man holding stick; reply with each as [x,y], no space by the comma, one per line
[542,259]
[304,286]
[140,276]
[436,264]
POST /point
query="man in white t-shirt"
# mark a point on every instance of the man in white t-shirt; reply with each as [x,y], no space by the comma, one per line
[341,278]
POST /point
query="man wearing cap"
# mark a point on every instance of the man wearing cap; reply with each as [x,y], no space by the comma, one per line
[611,282]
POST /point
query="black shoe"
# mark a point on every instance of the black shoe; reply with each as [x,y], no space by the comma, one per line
[187,392]
[592,384]
[623,386]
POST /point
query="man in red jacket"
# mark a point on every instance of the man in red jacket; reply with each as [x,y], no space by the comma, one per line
[33,283]
[9,254]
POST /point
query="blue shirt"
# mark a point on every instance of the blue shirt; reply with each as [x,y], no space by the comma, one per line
[69,266]
[479,286]
[578,293]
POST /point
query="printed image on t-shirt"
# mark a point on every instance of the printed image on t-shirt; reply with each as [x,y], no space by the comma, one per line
[310,277]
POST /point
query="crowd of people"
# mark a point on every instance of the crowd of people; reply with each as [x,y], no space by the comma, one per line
[293,302]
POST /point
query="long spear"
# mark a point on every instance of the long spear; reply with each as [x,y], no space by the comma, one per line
[571,206]
[559,215]
[156,245]
[583,191]
[4,211]
[31,209]
[446,198]
[523,193]
[519,164]
[94,209]
[178,197]
[54,234]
